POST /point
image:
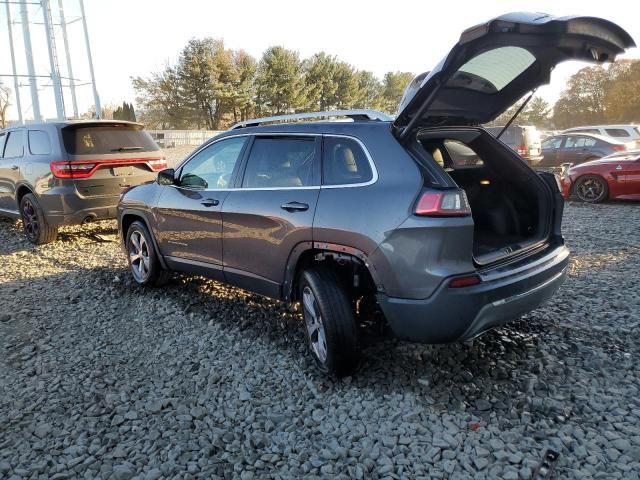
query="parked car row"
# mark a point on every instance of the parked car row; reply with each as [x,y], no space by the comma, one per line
[574,145]
[425,219]
[615,177]
[577,148]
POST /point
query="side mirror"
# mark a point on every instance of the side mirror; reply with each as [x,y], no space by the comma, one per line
[167,177]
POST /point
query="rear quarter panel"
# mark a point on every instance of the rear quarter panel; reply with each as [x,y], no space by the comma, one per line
[362,217]
[606,171]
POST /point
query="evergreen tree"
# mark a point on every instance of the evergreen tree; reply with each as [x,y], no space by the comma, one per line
[280,82]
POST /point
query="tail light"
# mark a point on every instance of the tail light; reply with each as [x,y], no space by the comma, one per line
[158,164]
[72,169]
[522,149]
[449,203]
[619,148]
[85,168]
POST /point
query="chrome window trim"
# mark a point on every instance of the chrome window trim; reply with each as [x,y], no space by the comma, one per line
[374,170]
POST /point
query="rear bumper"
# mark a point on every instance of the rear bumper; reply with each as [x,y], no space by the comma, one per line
[67,207]
[456,314]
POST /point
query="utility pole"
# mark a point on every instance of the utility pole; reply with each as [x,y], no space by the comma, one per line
[35,101]
[72,80]
[16,84]
[93,76]
[53,59]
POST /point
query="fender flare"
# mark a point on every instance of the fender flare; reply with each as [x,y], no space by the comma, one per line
[144,216]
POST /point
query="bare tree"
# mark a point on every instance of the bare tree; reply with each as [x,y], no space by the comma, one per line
[4,104]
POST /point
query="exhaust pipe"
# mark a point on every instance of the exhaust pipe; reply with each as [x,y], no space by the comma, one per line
[89,218]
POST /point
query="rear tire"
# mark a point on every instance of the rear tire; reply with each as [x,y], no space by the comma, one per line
[34,222]
[331,329]
[142,257]
[591,189]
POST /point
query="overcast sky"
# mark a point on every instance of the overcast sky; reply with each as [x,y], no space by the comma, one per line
[136,37]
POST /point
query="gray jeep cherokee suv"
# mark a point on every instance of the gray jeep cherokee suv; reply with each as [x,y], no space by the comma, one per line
[427,217]
[70,172]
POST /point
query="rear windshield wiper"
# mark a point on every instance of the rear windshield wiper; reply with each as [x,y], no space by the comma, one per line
[125,149]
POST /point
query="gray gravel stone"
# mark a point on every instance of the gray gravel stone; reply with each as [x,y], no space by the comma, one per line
[100,379]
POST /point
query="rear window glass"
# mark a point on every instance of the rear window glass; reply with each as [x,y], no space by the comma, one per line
[15,144]
[493,70]
[512,136]
[100,140]
[280,163]
[3,137]
[617,132]
[39,143]
[344,162]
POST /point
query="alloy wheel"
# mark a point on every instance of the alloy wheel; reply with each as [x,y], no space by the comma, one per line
[139,256]
[30,220]
[590,189]
[314,324]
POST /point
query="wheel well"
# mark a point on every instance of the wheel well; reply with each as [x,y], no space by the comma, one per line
[21,192]
[126,222]
[351,270]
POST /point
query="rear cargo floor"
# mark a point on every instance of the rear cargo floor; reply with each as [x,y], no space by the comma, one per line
[487,242]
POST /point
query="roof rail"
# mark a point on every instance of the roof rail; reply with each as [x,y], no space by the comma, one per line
[362,114]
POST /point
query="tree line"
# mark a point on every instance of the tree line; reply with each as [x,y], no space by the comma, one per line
[212,87]
[594,95]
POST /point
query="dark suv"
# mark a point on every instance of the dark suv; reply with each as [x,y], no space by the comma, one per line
[66,173]
[349,218]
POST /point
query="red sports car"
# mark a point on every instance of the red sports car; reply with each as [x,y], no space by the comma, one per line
[616,176]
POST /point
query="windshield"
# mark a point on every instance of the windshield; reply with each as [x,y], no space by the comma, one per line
[107,139]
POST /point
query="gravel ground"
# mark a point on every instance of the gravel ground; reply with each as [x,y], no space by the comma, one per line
[100,379]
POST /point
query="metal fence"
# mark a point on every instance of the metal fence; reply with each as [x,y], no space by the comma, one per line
[176,138]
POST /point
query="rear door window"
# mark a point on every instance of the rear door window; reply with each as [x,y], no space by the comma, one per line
[281,162]
[617,132]
[344,162]
[571,142]
[213,166]
[39,143]
[106,139]
[15,144]
[552,143]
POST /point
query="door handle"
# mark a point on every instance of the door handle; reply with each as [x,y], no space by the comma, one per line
[15,167]
[294,207]
[210,202]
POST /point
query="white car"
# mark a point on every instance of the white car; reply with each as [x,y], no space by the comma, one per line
[622,133]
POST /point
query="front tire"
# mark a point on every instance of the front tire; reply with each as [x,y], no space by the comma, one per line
[142,257]
[591,189]
[331,329]
[34,222]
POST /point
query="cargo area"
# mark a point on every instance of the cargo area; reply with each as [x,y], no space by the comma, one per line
[509,202]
